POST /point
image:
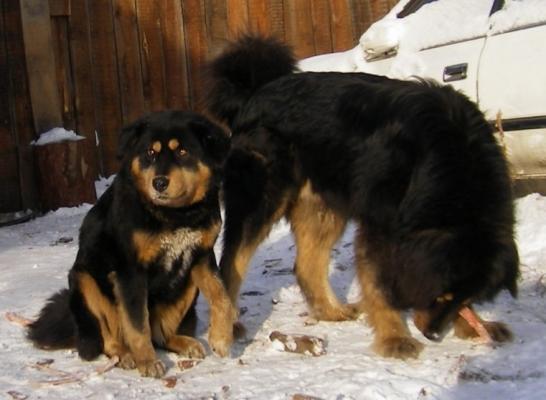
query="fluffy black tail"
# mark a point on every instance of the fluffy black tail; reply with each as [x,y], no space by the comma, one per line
[55,327]
[241,69]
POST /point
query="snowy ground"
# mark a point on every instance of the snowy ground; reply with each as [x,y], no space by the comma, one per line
[35,257]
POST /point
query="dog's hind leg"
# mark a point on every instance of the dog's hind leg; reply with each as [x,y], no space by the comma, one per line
[316,229]
[99,328]
[254,199]
[392,336]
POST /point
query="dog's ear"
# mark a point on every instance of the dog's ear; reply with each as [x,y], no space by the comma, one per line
[129,136]
[213,138]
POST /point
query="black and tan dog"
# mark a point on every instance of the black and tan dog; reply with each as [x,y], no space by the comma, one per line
[414,164]
[145,249]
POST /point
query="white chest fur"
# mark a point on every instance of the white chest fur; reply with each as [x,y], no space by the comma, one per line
[179,244]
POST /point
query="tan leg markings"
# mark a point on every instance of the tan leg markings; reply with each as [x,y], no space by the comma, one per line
[139,342]
[235,273]
[222,314]
[392,337]
[107,315]
[316,229]
[165,322]
[498,331]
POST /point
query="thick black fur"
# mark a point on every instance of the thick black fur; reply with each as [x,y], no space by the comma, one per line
[414,163]
[106,243]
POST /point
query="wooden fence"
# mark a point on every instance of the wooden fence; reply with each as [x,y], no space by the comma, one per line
[94,65]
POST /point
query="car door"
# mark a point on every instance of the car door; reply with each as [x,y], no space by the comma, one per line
[442,40]
[512,83]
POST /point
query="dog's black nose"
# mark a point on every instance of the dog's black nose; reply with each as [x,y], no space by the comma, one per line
[433,336]
[160,183]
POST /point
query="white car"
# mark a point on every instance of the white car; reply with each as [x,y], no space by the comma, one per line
[492,50]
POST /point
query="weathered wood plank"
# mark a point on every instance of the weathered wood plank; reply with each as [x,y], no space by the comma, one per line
[216,23]
[21,120]
[322,32]
[84,88]
[197,49]
[342,28]
[40,64]
[175,52]
[105,70]
[65,85]
[259,18]
[128,60]
[151,55]
[237,18]
[299,27]
[60,8]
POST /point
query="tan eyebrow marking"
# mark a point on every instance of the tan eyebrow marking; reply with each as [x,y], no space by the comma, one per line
[445,297]
[174,144]
[156,146]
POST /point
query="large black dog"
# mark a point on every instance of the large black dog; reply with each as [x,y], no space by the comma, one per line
[145,249]
[414,164]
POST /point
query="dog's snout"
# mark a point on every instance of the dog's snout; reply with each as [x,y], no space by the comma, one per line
[160,183]
[433,336]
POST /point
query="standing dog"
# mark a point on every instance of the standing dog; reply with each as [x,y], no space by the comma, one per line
[145,249]
[414,164]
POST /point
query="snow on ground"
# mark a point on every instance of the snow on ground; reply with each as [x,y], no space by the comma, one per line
[35,257]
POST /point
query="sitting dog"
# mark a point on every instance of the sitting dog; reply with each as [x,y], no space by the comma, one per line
[414,164]
[146,249]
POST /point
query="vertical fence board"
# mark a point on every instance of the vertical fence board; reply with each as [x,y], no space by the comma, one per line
[237,18]
[196,45]
[216,23]
[107,96]
[342,33]
[258,17]
[128,60]
[299,27]
[151,55]
[322,33]
[175,53]
[7,142]
[84,89]
[20,106]
[361,17]
[40,64]
[10,193]
[60,33]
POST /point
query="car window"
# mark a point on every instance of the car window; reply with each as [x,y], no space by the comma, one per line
[518,14]
[412,6]
[439,22]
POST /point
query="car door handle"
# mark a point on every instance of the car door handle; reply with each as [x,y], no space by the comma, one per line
[455,72]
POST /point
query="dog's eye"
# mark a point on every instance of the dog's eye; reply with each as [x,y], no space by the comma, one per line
[181,152]
[151,153]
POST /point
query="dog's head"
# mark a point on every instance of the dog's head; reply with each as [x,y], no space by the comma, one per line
[173,156]
[449,272]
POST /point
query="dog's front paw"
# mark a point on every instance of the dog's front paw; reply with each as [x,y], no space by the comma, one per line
[126,361]
[402,347]
[151,368]
[220,342]
[192,349]
[338,312]
[498,331]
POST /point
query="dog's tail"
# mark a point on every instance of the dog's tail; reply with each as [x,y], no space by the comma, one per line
[243,68]
[55,327]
